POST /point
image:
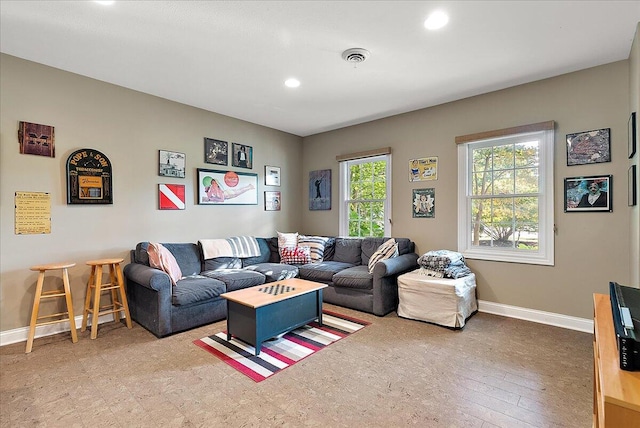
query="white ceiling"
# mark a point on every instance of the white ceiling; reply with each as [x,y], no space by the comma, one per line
[232,57]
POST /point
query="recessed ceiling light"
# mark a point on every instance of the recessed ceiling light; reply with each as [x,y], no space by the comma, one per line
[436,20]
[292,83]
[105,3]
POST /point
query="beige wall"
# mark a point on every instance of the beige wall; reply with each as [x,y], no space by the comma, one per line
[591,248]
[634,105]
[129,128]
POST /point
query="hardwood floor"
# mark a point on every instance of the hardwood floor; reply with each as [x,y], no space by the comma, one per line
[497,372]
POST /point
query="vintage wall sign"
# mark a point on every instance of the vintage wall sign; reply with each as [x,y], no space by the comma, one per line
[89,178]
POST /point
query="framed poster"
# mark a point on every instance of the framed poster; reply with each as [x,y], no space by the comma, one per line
[272,201]
[171,197]
[227,187]
[171,164]
[89,178]
[242,156]
[632,134]
[216,151]
[588,194]
[633,192]
[589,147]
[36,139]
[424,203]
[423,169]
[320,190]
[272,175]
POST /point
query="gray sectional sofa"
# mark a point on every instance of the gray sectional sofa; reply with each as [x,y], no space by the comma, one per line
[195,300]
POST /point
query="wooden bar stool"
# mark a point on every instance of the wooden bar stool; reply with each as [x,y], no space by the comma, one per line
[95,288]
[64,292]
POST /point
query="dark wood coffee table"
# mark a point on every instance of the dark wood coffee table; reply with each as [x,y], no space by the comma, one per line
[259,313]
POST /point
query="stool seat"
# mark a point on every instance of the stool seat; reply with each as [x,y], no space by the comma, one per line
[95,288]
[41,294]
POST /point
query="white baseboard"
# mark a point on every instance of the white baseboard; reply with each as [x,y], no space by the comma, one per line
[550,318]
[572,323]
[22,334]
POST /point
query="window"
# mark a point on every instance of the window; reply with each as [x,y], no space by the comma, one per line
[505,189]
[365,192]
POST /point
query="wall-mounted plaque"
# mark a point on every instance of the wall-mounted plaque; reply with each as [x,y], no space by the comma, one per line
[89,179]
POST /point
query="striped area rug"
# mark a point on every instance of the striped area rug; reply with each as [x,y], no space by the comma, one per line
[279,354]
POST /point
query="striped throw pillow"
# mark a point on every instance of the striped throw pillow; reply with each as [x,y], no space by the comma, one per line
[316,244]
[287,240]
[387,250]
[295,255]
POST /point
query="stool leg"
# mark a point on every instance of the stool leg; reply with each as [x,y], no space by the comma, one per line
[34,312]
[87,299]
[96,302]
[67,294]
[114,294]
[123,296]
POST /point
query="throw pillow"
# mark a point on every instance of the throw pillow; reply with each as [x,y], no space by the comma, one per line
[287,240]
[161,258]
[295,255]
[387,250]
[316,245]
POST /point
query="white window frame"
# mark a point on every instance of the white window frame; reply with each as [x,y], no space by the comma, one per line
[344,192]
[545,253]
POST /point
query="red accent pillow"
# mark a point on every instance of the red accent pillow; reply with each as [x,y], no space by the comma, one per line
[295,255]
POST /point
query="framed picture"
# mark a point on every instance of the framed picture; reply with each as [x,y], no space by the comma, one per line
[320,190]
[89,178]
[172,164]
[272,201]
[588,194]
[424,203]
[632,135]
[423,169]
[242,155]
[36,139]
[171,197]
[216,151]
[227,187]
[589,147]
[633,192]
[272,175]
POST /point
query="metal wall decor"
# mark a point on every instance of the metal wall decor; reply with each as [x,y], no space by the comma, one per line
[89,178]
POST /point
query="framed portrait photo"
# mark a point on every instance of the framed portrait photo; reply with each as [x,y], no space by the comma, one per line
[216,151]
[242,156]
[227,187]
[588,194]
[171,164]
[272,201]
[589,147]
[272,175]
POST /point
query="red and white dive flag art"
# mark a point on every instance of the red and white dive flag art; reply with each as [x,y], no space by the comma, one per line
[171,196]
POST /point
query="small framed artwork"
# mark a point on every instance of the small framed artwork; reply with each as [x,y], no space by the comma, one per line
[632,135]
[272,175]
[89,178]
[172,164]
[588,194]
[423,169]
[216,151]
[227,187]
[320,190]
[272,201]
[633,192]
[589,147]
[424,203]
[171,197]
[36,139]
[242,155]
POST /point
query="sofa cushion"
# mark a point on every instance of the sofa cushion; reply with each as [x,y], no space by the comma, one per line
[348,251]
[222,263]
[196,288]
[161,258]
[187,255]
[235,279]
[357,277]
[275,271]
[370,245]
[316,245]
[322,272]
[385,251]
[295,255]
[262,258]
[329,249]
[274,257]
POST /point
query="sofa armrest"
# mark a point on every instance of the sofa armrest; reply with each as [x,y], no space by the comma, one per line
[396,265]
[149,277]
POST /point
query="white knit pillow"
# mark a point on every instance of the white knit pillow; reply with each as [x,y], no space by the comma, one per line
[387,250]
[287,240]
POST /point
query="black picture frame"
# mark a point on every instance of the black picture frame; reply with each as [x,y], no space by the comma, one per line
[272,200]
[171,164]
[216,151]
[589,147]
[242,156]
[633,191]
[271,175]
[576,194]
[632,130]
[227,187]
[89,178]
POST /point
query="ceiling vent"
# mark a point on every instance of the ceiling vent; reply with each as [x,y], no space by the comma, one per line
[355,55]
